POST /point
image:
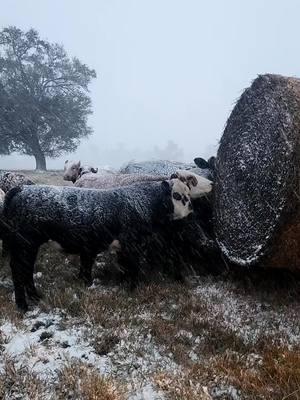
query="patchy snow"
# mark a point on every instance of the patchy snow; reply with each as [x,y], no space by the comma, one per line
[229,391]
[135,358]
[147,392]
[44,346]
[6,282]
[45,342]
[248,318]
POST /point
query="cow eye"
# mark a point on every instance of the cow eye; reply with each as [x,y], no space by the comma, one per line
[176,196]
[192,180]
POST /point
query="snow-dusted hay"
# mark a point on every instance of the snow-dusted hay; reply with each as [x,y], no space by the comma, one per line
[86,222]
[115,180]
[256,205]
[199,186]
[8,180]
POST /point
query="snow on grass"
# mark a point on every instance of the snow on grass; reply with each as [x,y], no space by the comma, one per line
[147,392]
[44,346]
[45,343]
[249,318]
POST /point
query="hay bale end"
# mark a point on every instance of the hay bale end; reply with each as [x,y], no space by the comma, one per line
[256,197]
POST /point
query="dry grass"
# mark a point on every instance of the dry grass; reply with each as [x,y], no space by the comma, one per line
[183,323]
[180,323]
[275,375]
[178,387]
[80,382]
[15,383]
[74,382]
[47,178]
[7,307]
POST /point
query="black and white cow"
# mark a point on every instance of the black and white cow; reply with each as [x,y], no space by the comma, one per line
[87,222]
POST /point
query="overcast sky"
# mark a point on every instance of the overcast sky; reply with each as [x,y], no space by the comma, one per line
[167,69]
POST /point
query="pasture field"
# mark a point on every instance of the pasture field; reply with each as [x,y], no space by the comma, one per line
[234,336]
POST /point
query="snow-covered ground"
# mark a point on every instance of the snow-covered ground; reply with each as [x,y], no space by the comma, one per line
[44,342]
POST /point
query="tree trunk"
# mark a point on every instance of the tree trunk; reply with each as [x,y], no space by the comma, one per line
[37,152]
[40,161]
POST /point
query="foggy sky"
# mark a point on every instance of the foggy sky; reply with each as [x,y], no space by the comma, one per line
[167,69]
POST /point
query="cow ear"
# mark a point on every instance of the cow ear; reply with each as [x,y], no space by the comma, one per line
[66,161]
[212,163]
[201,163]
[174,176]
[78,164]
[94,170]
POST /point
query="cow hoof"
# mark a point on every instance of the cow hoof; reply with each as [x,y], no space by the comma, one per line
[87,280]
[34,296]
[22,308]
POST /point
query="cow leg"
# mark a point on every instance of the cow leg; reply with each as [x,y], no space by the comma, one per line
[129,267]
[30,288]
[87,260]
[16,271]
[22,264]
[5,248]
[130,257]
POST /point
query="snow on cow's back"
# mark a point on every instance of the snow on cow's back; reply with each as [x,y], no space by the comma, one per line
[106,181]
[50,203]
[155,167]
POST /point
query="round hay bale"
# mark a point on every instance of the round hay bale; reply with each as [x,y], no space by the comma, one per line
[256,198]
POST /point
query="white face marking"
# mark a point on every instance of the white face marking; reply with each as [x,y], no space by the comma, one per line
[198,185]
[2,195]
[181,200]
[71,171]
[114,247]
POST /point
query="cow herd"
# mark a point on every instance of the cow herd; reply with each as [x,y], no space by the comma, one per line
[147,211]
